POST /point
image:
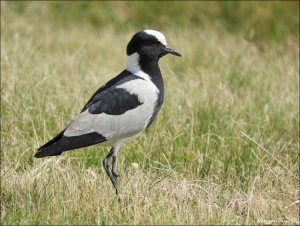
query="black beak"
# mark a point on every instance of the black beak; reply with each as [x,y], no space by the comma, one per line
[172,51]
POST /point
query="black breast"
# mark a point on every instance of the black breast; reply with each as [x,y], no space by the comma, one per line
[157,107]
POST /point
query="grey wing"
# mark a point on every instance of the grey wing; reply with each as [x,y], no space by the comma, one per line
[104,113]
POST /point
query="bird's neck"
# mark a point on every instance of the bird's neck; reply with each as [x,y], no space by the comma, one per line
[138,66]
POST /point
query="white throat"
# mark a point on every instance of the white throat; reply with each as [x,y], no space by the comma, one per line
[133,66]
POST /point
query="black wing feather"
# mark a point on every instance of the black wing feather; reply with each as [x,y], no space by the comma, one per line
[123,77]
[114,102]
[107,99]
[62,143]
[111,100]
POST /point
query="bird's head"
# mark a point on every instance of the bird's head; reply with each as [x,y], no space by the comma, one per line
[149,46]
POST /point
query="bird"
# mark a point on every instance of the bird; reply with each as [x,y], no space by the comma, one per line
[123,108]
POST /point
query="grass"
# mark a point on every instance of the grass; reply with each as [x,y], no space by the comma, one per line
[223,150]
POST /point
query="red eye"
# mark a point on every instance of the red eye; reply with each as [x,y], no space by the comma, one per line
[153,44]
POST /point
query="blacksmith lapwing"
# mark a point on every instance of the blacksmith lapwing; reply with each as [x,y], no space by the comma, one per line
[121,109]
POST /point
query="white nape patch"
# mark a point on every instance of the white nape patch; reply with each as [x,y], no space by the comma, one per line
[160,37]
[119,128]
[133,66]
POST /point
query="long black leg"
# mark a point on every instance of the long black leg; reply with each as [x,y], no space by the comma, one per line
[114,170]
[106,166]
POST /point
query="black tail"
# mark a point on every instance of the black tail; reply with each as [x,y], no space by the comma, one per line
[50,148]
[61,143]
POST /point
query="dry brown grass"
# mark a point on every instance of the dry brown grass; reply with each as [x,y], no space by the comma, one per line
[55,191]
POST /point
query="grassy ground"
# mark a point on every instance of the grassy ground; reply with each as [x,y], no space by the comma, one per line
[223,150]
